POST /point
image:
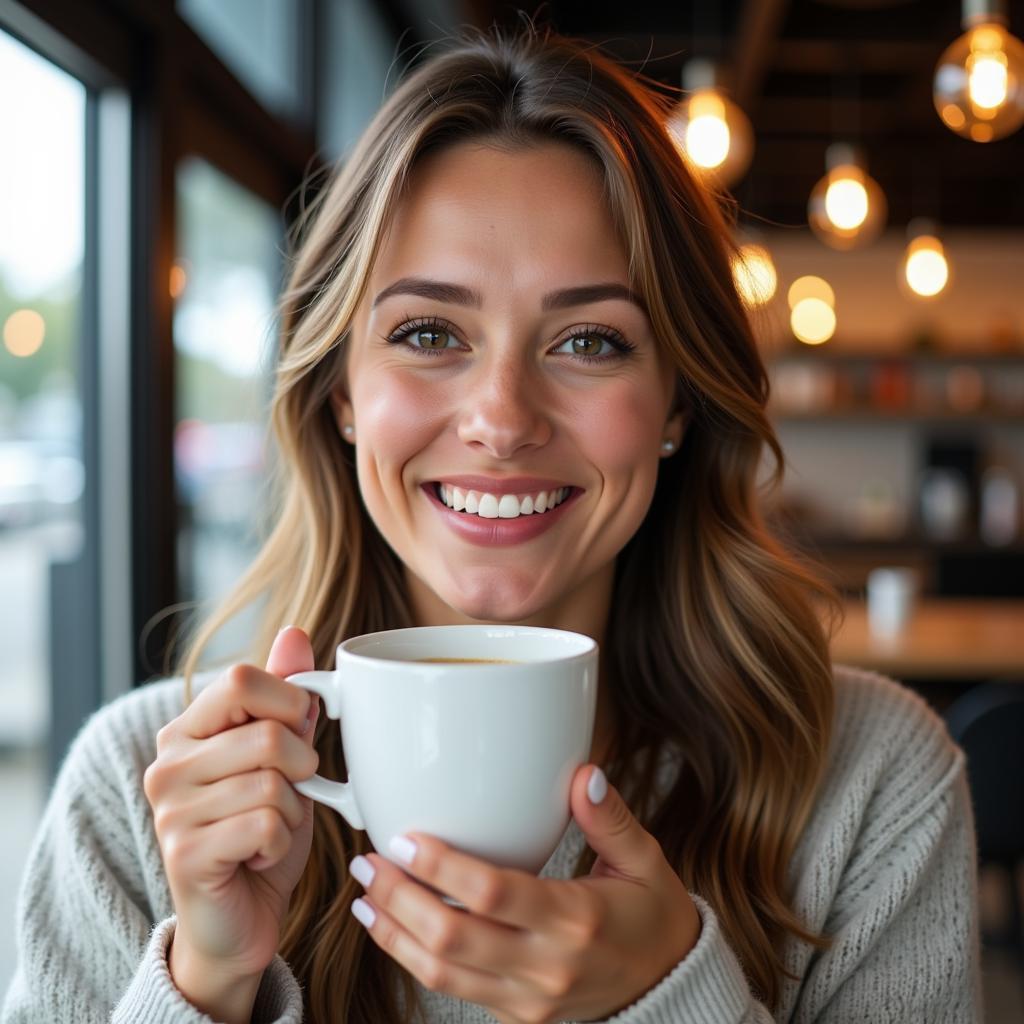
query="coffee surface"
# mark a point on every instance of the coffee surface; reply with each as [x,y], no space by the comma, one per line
[468,661]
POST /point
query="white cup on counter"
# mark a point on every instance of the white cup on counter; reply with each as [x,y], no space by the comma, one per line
[891,593]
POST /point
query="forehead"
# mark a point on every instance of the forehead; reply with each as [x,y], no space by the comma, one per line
[525,214]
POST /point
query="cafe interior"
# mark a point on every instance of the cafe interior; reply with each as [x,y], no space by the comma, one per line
[871,153]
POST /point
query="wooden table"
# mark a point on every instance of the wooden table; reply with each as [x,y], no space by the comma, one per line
[944,639]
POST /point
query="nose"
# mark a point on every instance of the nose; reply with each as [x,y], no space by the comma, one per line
[504,409]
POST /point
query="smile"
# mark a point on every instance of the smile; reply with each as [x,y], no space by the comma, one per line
[503,506]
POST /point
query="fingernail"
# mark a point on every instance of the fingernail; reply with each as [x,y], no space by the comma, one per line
[314,707]
[597,786]
[363,912]
[282,629]
[403,848]
[362,871]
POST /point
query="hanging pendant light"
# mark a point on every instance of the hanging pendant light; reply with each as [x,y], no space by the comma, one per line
[925,266]
[712,133]
[847,207]
[753,269]
[978,88]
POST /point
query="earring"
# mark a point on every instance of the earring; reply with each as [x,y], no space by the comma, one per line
[348,430]
[668,446]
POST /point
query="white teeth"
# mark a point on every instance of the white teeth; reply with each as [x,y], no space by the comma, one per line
[488,508]
[505,506]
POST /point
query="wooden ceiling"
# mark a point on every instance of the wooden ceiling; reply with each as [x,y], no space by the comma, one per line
[810,72]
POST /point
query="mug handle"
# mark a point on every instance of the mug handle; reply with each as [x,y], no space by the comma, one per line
[338,795]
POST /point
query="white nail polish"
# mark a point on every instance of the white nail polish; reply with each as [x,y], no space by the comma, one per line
[362,871]
[363,912]
[403,848]
[597,786]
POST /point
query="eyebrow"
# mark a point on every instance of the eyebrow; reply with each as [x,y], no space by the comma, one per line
[460,295]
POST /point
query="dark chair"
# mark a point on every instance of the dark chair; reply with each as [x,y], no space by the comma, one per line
[988,723]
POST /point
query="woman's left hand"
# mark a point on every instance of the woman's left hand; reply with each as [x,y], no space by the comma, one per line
[532,949]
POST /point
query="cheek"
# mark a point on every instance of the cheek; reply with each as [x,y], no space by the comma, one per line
[395,415]
[619,428]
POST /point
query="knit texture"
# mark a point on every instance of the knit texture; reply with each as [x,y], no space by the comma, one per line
[886,866]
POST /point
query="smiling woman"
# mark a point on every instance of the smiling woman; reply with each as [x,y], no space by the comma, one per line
[517,386]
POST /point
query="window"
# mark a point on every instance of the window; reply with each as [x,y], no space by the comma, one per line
[42,476]
[226,282]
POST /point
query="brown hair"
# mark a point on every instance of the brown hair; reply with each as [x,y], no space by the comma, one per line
[715,647]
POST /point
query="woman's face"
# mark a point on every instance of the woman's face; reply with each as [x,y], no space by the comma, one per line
[485,378]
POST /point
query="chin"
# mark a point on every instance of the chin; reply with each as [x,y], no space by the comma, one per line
[494,605]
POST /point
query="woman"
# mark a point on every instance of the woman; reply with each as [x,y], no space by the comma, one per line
[515,278]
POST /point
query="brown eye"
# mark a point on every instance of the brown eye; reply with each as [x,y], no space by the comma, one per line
[432,338]
[592,346]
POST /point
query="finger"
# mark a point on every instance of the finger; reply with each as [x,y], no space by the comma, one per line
[241,694]
[433,972]
[265,787]
[450,934]
[265,743]
[625,849]
[204,853]
[506,895]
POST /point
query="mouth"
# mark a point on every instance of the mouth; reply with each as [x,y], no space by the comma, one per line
[485,505]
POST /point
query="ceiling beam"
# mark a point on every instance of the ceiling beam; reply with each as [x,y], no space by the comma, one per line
[757,32]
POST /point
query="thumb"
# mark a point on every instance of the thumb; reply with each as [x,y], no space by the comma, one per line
[292,652]
[624,848]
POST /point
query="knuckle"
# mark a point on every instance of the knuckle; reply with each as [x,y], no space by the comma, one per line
[558,982]
[238,680]
[267,822]
[151,780]
[588,921]
[434,975]
[268,736]
[178,851]
[164,820]
[489,893]
[445,939]
[271,785]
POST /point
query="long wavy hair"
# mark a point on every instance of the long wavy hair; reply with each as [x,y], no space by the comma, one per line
[717,646]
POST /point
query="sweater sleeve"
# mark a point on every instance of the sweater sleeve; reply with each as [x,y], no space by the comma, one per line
[903,923]
[94,918]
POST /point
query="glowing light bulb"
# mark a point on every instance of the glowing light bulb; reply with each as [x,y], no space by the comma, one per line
[813,321]
[24,330]
[978,87]
[987,80]
[711,132]
[810,287]
[846,208]
[753,270]
[707,134]
[846,203]
[925,267]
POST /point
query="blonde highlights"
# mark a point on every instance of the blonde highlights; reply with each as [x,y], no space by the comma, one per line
[715,645]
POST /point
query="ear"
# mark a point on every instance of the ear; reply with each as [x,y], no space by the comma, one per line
[679,416]
[341,407]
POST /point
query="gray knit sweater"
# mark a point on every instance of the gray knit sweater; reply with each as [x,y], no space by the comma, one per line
[886,866]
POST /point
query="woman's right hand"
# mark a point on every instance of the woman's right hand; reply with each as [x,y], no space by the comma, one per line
[233,832]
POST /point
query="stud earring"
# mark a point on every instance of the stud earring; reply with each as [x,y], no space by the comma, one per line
[348,430]
[668,446]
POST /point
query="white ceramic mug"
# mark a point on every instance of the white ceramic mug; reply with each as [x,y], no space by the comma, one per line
[480,755]
[890,597]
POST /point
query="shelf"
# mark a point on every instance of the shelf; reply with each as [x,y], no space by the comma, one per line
[911,543]
[884,417]
[822,354]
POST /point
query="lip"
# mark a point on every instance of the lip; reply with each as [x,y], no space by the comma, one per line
[499,532]
[503,485]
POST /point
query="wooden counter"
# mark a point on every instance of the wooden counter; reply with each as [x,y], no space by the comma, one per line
[944,639]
